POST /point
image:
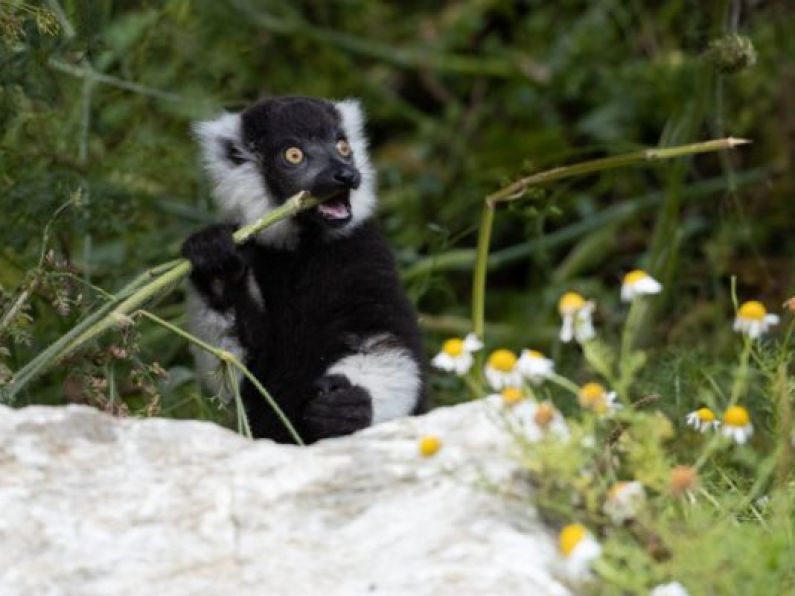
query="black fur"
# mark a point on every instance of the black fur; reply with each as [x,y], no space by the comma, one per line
[273,125]
[321,301]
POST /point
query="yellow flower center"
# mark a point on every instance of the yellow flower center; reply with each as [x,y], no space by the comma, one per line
[592,396]
[545,413]
[570,302]
[737,416]
[453,347]
[570,536]
[705,415]
[635,276]
[535,354]
[429,445]
[511,396]
[502,360]
[752,310]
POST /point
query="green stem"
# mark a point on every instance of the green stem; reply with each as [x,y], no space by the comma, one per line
[481,266]
[243,426]
[228,358]
[743,371]
[479,284]
[565,383]
[462,259]
[783,405]
[712,445]
[45,358]
[474,386]
[740,379]
[634,317]
[515,190]
[86,72]
[144,288]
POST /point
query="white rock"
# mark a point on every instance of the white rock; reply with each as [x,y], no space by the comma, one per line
[91,504]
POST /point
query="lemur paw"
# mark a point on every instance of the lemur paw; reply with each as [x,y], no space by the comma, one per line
[339,408]
[213,253]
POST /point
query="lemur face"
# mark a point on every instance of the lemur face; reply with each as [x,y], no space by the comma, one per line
[280,146]
[300,145]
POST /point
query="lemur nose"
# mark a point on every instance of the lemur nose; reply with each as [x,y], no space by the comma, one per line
[348,176]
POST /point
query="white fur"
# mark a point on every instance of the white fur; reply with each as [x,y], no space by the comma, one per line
[217,329]
[389,374]
[363,199]
[254,291]
[240,192]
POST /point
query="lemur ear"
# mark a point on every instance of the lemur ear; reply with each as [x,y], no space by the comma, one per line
[353,118]
[221,142]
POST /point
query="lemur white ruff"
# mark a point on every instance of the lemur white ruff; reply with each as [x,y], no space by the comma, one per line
[313,305]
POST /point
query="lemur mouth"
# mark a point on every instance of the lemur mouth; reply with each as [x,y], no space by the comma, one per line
[337,209]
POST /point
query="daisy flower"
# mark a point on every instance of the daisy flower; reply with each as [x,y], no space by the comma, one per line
[501,369]
[702,419]
[682,480]
[669,589]
[577,318]
[593,396]
[638,283]
[737,424]
[753,320]
[624,501]
[456,354]
[535,366]
[511,396]
[578,549]
[548,420]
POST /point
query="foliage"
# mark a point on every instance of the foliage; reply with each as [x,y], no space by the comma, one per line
[99,180]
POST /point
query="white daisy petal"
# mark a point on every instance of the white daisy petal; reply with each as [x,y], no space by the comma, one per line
[443,361]
[535,366]
[753,319]
[567,329]
[463,363]
[472,343]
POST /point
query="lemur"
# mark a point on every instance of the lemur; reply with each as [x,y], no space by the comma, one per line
[313,305]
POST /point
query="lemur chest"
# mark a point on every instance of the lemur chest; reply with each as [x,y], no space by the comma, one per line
[308,293]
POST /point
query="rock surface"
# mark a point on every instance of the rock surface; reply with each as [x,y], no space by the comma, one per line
[91,504]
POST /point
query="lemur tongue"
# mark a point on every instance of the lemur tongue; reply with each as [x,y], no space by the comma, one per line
[335,209]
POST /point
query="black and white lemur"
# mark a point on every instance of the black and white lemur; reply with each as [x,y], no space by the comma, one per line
[313,305]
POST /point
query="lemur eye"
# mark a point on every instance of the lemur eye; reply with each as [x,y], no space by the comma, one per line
[343,148]
[294,155]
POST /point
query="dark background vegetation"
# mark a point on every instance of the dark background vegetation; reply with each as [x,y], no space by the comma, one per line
[462,97]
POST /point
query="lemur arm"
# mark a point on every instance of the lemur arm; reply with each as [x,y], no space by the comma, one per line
[220,275]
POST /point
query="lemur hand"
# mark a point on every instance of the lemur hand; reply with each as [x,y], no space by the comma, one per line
[339,408]
[214,254]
